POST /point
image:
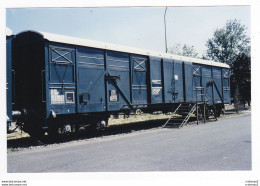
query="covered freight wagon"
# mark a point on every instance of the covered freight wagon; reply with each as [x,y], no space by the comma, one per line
[64,82]
[9,75]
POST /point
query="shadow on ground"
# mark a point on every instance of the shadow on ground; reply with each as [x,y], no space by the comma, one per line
[27,142]
[16,144]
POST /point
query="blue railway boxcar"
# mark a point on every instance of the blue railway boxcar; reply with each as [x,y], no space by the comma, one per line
[9,74]
[63,82]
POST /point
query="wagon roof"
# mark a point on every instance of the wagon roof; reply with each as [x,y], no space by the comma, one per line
[120,48]
[8,31]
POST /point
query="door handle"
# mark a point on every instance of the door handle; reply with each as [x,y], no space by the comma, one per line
[112,77]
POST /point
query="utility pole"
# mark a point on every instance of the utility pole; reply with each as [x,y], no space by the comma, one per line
[165,29]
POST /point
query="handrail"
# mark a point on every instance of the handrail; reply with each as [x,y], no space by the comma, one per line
[204,103]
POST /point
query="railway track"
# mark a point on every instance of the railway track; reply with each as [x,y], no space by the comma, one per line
[20,140]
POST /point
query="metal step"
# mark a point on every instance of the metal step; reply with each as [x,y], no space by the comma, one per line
[173,123]
[186,114]
[183,113]
[177,119]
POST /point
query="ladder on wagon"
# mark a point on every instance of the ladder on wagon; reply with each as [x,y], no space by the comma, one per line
[183,112]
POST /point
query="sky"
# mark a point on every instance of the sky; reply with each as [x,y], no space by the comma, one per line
[139,27]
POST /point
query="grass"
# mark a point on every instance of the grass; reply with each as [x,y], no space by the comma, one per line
[234,112]
[17,134]
[133,119]
[14,150]
[138,118]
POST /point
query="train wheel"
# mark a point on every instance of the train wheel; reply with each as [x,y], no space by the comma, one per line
[53,133]
[138,112]
[38,134]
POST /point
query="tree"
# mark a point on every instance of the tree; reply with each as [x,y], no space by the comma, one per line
[231,45]
[241,78]
[183,50]
[228,42]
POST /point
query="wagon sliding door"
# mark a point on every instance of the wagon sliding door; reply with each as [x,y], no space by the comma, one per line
[90,81]
[217,92]
[188,81]
[156,80]
[178,76]
[170,93]
[139,80]
[61,79]
[118,81]
[196,83]
[226,85]
[206,83]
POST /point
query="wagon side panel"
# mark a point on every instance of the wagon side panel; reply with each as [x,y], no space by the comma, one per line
[206,83]
[197,83]
[178,75]
[217,88]
[9,74]
[226,85]
[60,79]
[169,81]
[188,81]
[156,80]
[139,71]
[118,81]
[90,80]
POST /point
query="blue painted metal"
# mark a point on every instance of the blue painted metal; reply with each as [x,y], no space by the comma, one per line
[170,93]
[156,80]
[139,71]
[90,80]
[118,81]
[73,80]
[178,74]
[226,85]
[9,74]
[196,83]
[62,64]
[61,82]
[217,90]
[206,83]
[188,81]
[45,82]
